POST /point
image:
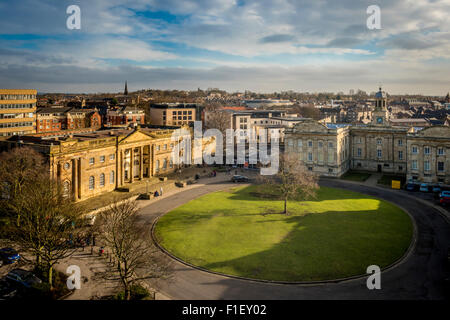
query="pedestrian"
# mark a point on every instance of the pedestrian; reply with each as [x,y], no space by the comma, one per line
[93,240]
[156,193]
[161,191]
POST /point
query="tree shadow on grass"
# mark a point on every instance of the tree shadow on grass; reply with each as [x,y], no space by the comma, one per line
[316,249]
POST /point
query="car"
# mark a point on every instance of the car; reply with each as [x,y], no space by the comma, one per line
[238,178]
[8,256]
[23,277]
[411,187]
[444,197]
[436,188]
[424,187]
[7,291]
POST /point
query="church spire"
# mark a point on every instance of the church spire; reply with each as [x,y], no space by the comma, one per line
[125,92]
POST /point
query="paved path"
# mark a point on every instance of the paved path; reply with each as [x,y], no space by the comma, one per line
[418,277]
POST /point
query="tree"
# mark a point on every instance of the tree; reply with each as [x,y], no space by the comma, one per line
[19,167]
[49,222]
[293,180]
[308,112]
[130,245]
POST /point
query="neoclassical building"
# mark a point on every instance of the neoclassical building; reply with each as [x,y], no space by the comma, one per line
[92,163]
[421,154]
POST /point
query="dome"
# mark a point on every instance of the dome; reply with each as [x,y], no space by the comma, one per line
[380,94]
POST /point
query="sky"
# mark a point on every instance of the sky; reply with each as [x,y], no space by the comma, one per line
[235,45]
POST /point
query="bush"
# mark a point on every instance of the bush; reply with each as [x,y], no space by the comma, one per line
[138,292]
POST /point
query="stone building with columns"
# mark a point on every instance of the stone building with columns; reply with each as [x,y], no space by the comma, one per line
[421,154]
[94,163]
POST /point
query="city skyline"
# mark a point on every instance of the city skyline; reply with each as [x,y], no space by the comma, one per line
[262,46]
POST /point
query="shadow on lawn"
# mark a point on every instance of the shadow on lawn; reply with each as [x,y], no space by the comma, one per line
[316,250]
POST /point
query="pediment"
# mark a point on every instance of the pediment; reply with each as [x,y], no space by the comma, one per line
[310,126]
[135,136]
[436,131]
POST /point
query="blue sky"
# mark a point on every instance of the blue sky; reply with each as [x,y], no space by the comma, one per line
[265,46]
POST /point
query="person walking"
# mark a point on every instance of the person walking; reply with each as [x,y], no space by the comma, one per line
[161,191]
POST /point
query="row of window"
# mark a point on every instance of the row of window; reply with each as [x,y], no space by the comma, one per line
[164,165]
[427,150]
[16,124]
[16,115]
[101,180]
[310,143]
[17,96]
[18,106]
[102,159]
[427,167]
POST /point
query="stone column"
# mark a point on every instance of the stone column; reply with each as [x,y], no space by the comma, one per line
[131,165]
[75,178]
[79,173]
[141,162]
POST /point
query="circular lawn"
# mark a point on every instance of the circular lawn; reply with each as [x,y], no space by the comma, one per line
[243,232]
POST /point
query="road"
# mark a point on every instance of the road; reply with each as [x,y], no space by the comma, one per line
[420,276]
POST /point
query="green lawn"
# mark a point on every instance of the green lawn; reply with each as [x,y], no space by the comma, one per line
[240,233]
[356,176]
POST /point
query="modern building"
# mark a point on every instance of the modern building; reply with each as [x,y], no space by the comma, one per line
[17,111]
[172,114]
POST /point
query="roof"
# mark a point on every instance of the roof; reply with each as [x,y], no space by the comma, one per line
[53,110]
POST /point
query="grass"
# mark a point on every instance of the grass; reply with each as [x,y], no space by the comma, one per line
[339,234]
[356,176]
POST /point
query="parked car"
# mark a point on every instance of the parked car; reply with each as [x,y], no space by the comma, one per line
[23,277]
[424,187]
[436,188]
[237,178]
[8,256]
[412,187]
[444,197]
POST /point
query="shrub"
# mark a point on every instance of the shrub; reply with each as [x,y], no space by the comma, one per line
[138,292]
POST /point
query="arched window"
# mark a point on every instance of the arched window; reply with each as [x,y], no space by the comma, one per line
[91,183]
[102,180]
[111,177]
[66,188]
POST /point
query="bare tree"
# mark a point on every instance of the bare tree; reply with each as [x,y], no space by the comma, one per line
[18,167]
[218,119]
[49,223]
[293,180]
[135,256]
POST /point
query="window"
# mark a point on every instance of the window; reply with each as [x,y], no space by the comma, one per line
[310,144]
[414,165]
[164,164]
[440,151]
[111,177]
[426,150]
[379,153]
[290,142]
[400,142]
[379,141]
[310,169]
[310,156]
[91,161]
[330,170]
[415,150]
[426,165]
[300,143]
[157,165]
[91,183]
[330,144]
[400,155]
[440,166]
[102,180]
[66,188]
[165,147]
[320,144]
[102,158]
[171,163]
[157,148]
[359,152]
[112,156]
